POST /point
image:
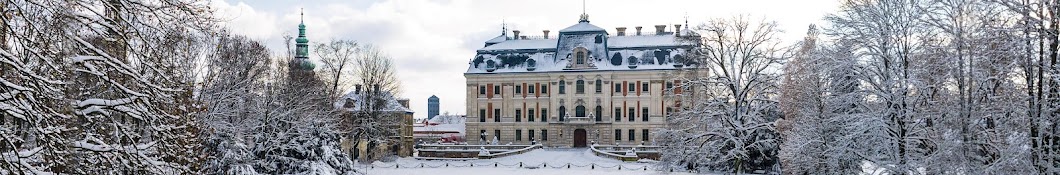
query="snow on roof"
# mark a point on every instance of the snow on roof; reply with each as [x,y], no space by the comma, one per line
[544,62]
[534,44]
[644,41]
[391,104]
[582,27]
[498,39]
[613,42]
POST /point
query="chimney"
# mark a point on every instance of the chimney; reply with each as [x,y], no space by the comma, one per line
[621,31]
[546,33]
[516,34]
[659,29]
[677,29]
[638,30]
[357,89]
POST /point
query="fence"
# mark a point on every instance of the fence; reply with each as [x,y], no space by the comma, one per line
[592,166]
[470,152]
[618,152]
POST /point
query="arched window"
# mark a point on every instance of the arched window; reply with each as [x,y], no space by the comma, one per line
[579,87]
[562,87]
[599,86]
[562,112]
[579,111]
[599,114]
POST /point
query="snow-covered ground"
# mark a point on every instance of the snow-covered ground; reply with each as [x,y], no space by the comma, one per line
[581,161]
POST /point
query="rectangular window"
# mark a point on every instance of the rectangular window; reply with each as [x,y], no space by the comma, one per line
[482,90]
[530,89]
[519,89]
[562,87]
[496,115]
[544,135]
[632,136]
[496,89]
[632,114]
[618,114]
[618,135]
[618,87]
[599,86]
[644,87]
[544,89]
[518,115]
[669,85]
[579,87]
[497,134]
[544,115]
[632,87]
[482,115]
[530,135]
[530,115]
[644,114]
[518,135]
[644,135]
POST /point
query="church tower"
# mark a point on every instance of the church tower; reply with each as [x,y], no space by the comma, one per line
[301,57]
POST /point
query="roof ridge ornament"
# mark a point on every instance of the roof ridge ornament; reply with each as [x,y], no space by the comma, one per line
[585,16]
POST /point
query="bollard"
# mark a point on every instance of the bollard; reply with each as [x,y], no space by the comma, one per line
[645,168]
[446,164]
[421,165]
[671,169]
[568,165]
[520,164]
[494,164]
[396,166]
[619,167]
[592,166]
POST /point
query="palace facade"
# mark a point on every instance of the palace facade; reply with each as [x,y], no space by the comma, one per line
[583,86]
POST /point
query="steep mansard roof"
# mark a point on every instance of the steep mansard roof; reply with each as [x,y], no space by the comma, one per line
[606,52]
[582,27]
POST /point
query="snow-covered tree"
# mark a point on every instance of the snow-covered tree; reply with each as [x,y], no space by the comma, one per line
[264,116]
[728,104]
[1037,32]
[99,87]
[818,99]
[376,116]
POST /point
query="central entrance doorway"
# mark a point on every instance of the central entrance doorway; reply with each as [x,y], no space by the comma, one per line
[579,138]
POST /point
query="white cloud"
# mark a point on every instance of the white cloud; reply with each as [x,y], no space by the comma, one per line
[432,40]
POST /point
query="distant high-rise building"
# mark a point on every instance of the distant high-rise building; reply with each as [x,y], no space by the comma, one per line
[432,107]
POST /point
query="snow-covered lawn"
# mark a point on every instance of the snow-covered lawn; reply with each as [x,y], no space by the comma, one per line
[581,161]
[491,170]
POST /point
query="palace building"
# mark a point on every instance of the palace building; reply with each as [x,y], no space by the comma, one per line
[584,86]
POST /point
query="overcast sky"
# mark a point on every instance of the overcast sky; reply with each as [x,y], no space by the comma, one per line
[432,41]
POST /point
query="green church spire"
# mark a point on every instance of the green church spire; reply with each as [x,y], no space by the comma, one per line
[302,47]
[302,50]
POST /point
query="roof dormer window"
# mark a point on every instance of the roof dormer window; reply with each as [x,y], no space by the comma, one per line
[580,59]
